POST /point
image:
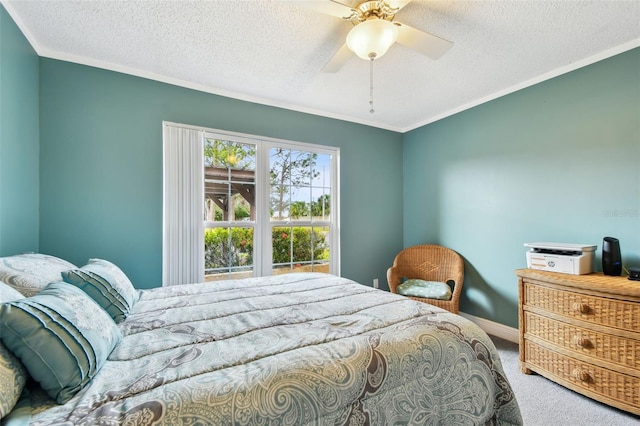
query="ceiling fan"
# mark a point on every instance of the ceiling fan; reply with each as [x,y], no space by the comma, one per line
[375,31]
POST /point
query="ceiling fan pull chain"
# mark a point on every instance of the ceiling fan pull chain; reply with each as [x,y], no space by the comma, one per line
[371,84]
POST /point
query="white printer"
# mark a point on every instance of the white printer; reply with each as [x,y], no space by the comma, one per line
[576,259]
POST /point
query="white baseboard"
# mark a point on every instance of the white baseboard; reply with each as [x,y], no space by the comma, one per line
[496,329]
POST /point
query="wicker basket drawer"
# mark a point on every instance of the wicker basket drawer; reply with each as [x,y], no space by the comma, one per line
[620,389]
[598,310]
[601,346]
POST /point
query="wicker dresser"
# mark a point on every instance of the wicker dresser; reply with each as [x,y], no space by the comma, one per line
[583,332]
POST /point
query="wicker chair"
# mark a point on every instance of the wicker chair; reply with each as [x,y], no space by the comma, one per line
[431,263]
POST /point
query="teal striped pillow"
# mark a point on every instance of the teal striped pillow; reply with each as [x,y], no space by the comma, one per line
[61,336]
[107,285]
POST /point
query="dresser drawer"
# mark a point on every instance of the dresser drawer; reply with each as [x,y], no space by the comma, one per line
[597,310]
[601,346]
[605,385]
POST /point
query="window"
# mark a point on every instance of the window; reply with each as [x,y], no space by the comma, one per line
[239,205]
[300,209]
[229,207]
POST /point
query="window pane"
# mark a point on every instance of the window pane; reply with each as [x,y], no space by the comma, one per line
[291,174]
[228,252]
[228,154]
[216,194]
[300,203]
[280,202]
[300,249]
[320,204]
[301,164]
[321,171]
[321,251]
[241,208]
[229,172]
[281,245]
[279,172]
[241,156]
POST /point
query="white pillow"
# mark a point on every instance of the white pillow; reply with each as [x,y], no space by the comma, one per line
[31,272]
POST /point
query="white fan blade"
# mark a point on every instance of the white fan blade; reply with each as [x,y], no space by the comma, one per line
[338,60]
[328,7]
[398,4]
[427,44]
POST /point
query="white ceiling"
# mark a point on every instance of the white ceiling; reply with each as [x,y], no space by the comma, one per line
[272,52]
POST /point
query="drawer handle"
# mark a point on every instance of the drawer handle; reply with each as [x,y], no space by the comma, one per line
[581,308]
[580,375]
[582,342]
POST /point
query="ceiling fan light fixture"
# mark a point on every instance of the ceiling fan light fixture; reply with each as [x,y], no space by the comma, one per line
[372,38]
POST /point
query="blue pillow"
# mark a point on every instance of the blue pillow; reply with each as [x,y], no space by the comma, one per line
[426,289]
[107,285]
[61,336]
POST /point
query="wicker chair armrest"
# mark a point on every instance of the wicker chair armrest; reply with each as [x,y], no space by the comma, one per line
[458,280]
[393,279]
[457,289]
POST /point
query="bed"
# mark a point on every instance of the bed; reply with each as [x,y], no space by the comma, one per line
[294,349]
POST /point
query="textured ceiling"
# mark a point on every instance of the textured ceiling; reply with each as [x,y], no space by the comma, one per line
[272,52]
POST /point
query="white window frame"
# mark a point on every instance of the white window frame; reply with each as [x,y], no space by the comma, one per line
[263,225]
[268,224]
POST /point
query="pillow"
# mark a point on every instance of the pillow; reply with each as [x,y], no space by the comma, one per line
[8,293]
[427,289]
[12,373]
[12,380]
[61,336]
[107,285]
[31,272]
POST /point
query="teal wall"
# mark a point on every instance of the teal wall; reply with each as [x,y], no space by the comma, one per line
[558,161]
[101,168]
[19,140]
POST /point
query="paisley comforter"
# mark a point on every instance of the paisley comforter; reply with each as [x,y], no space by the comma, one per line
[292,349]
